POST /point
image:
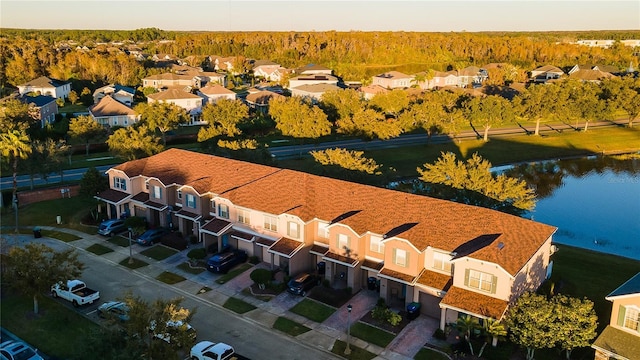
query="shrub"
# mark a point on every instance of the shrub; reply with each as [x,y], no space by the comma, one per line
[193,239]
[439,334]
[254,260]
[197,254]
[262,277]
[382,313]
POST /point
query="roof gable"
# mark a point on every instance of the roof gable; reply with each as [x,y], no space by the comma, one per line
[630,287]
[108,106]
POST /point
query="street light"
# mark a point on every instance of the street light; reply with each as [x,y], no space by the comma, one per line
[130,250]
[347,350]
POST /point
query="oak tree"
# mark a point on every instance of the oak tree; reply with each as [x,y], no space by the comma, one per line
[86,129]
[132,143]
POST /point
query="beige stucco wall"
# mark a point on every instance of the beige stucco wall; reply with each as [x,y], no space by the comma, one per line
[615,309]
[416,258]
[504,280]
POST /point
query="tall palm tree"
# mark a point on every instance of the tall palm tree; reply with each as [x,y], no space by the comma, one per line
[466,324]
[493,331]
[15,145]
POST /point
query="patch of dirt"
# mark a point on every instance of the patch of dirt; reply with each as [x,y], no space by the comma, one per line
[368,319]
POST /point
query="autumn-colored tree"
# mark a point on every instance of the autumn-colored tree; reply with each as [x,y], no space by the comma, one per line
[392,102]
[341,104]
[534,103]
[15,115]
[132,143]
[489,111]
[223,118]
[370,124]
[347,159]
[162,116]
[73,97]
[426,114]
[531,322]
[298,119]
[86,129]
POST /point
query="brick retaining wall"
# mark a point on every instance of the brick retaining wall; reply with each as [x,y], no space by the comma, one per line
[33,196]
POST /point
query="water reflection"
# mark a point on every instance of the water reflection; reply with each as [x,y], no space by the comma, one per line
[594,202]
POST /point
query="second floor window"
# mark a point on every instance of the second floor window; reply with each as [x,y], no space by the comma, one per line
[481,281]
[243,216]
[119,183]
[223,211]
[401,257]
[180,194]
[344,243]
[375,244]
[191,201]
[323,231]
[270,223]
[442,262]
[157,192]
[293,230]
[630,316]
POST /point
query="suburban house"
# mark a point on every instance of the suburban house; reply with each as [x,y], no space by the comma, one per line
[545,73]
[591,75]
[186,100]
[211,93]
[182,81]
[471,76]
[259,100]
[46,86]
[268,70]
[124,94]
[312,80]
[393,80]
[621,338]
[313,92]
[219,63]
[45,108]
[451,258]
[439,79]
[314,69]
[369,91]
[111,112]
[604,68]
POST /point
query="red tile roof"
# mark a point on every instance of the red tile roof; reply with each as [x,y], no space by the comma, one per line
[437,223]
[435,280]
[286,246]
[475,303]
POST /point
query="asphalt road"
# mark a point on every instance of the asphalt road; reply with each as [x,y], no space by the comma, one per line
[211,321]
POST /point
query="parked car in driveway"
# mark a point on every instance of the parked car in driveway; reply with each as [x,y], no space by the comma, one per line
[111,227]
[223,262]
[17,350]
[152,236]
[207,350]
[300,284]
[115,310]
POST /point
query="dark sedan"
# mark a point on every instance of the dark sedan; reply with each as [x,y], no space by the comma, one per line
[223,262]
[152,236]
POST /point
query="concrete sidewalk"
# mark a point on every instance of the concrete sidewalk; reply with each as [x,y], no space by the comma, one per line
[322,335]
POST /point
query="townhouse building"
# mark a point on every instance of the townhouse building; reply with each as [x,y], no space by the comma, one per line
[452,258]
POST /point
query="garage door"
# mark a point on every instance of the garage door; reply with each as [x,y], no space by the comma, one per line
[429,305]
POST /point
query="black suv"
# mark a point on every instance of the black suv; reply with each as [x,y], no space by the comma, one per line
[300,284]
[223,262]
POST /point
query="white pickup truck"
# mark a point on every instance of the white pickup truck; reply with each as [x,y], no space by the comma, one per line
[75,291]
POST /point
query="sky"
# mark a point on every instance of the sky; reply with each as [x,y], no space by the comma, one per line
[323,15]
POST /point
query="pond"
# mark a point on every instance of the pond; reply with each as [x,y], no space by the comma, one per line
[594,202]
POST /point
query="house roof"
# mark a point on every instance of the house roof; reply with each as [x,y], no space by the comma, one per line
[619,342]
[437,223]
[262,97]
[630,287]
[549,68]
[475,303]
[604,68]
[591,75]
[469,71]
[314,77]
[44,81]
[373,89]
[259,63]
[215,89]
[172,94]
[38,101]
[286,247]
[393,75]
[115,88]
[316,88]
[435,280]
[312,67]
[108,106]
[169,76]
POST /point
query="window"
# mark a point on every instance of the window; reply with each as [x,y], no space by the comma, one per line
[223,211]
[157,192]
[191,201]
[344,243]
[270,223]
[629,317]
[179,194]
[442,262]
[376,244]
[481,281]
[401,257]
[119,183]
[243,216]
[323,231]
[293,230]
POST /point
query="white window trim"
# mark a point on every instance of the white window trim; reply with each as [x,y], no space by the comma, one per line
[190,200]
[244,216]
[293,230]
[375,244]
[483,279]
[223,211]
[270,223]
[404,257]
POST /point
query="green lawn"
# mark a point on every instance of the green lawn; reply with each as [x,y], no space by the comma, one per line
[159,252]
[134,265]
[120,241]
[356,352]
[99,249]
[170,278]
[60,235]
[371,334]
[55,330]
[44,213]
[313,310]
[233,273]
[289,326]
[428,354]
[238,306]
